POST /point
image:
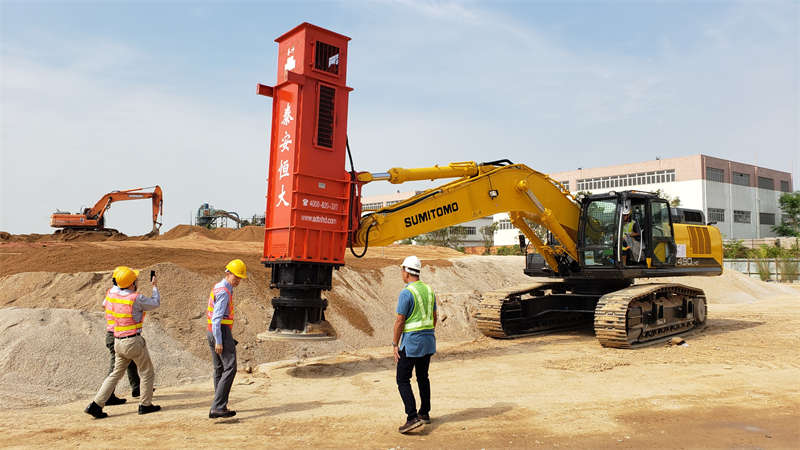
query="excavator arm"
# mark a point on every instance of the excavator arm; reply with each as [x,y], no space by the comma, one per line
[93,218]
[480,190]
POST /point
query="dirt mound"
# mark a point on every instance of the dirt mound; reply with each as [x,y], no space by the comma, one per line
[69,236]
[56,355]
[361,304]
[251,233]
[182,231]
[731,287]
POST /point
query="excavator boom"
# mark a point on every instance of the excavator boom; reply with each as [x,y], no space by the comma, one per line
[530,197]
[94,218]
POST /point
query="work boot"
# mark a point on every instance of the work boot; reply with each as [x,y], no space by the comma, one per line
[411,424]
[114,400]
[95,411]
[425,418]
[147,409]
[135,392]
[216,413]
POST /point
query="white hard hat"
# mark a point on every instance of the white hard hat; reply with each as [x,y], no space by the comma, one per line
[412,265]
[626,210]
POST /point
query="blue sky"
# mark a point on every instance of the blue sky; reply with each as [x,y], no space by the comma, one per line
[96,96]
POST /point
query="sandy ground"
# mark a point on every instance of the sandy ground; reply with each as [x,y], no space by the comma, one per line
[734,385]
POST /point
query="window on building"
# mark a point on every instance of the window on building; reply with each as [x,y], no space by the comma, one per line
[372,206]
[505,224]
[713,174]
[741,216]
[784,186]
[766,183]
[716,214]
[742,179]
[766,218]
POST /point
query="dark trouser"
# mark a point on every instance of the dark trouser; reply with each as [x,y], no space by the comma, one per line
[404,368]
[133,372]
[224,368]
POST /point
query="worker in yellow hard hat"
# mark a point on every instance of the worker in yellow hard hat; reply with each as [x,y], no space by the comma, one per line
[133,374]
[219,316]
[128,306]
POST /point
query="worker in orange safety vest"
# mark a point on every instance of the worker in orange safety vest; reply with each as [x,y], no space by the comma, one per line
[128,307]
[219,315]
[133,374]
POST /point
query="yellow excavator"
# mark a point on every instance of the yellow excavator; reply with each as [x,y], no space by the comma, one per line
[594,249]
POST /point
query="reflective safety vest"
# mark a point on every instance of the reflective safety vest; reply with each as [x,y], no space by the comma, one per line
[122,313]
[109,313]
[227,319]
[627,228]
[421,317]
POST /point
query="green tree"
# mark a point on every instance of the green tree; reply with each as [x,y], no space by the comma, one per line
[673,201]
[790,223]
[487,235]
[452,237]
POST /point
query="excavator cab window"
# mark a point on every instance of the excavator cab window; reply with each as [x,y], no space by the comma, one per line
[599,231]
[661,237]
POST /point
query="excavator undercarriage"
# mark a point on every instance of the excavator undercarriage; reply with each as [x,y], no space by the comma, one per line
[624,317]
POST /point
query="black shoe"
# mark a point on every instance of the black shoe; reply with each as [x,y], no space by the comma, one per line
[411,424]
[114,400]
[216,414]
[95,411]
[135,392]
[425,418]
[148,409]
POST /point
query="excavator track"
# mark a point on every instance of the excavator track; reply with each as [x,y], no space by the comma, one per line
[531,309]
[647,313]
[626,318]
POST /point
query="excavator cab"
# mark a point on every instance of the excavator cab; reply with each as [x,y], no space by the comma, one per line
[610,239]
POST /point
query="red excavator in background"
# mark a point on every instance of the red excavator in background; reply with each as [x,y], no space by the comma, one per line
[93,219]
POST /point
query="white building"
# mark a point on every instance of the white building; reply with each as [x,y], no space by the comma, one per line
[473,237]
[741,198]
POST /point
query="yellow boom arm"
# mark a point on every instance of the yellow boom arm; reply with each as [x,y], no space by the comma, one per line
[480,191]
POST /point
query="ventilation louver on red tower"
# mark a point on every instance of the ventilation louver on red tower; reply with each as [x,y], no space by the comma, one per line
[325,117]
[326,57]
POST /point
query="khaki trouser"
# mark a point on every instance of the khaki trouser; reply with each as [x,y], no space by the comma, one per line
[127,350]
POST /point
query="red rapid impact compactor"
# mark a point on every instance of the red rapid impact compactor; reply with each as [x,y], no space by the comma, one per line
[309,191]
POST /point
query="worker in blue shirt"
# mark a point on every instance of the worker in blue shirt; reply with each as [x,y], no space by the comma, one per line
[219,316]
[416,320]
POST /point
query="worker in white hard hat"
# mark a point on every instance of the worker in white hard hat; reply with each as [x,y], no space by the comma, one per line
[632,248]
[415,323]
[219,316]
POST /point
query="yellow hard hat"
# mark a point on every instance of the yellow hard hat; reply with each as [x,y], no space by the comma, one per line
[125,276]
[237,268]
[114,273]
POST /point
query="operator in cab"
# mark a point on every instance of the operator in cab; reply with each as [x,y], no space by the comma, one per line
[632,248]
[415,323]
[128,307]
[220,337]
